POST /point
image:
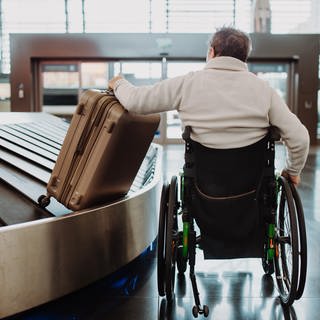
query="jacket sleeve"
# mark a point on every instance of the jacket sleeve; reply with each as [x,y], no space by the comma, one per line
[293,133]
[163,96]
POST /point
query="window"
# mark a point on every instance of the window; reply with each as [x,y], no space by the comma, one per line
[292,16]
[139,73]
[275,73]
[157,16]
[116,16]
[75,16]
[94,75]
[32,16]
[60,84]
[4,93]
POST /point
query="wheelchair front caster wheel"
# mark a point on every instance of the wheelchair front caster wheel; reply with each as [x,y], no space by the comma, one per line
[195,311]
[43,201]
[205,311]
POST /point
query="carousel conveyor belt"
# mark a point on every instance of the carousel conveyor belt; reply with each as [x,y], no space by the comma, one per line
[28,152]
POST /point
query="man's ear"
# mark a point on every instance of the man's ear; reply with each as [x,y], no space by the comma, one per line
[211,53]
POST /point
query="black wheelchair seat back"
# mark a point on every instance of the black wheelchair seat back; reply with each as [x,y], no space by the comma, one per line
[228,172]
[224,198]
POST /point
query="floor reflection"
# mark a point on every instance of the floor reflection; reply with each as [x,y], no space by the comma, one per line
[230,293]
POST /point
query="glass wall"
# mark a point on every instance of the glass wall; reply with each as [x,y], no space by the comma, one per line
[4,93]
[139,72]
[277,74]
[32,16]
[94,75]
[63,82]
[159,16]
[282,76]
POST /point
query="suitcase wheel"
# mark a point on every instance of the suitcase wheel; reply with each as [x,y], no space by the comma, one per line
[43,201]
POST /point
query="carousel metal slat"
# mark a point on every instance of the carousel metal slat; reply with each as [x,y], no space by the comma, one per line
[32,138]
[26,166]
[26,154]
[28,146]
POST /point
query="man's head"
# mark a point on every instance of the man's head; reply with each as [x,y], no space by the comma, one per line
[230,42]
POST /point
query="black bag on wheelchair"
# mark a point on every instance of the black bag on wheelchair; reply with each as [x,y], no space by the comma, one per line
[224,199]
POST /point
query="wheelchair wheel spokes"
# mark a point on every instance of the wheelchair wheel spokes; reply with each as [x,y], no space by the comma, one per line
[171,242]
[302,242]
[163,216]
[286,260]
[286,248]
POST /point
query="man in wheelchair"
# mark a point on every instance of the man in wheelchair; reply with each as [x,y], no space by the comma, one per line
[229,187]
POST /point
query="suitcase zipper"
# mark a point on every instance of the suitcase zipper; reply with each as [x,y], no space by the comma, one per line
[80,142]
[88,128]
[82,145]
[81,165]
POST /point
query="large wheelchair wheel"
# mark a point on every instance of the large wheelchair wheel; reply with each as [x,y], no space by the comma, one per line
[171,241]
[302,242]
[163,215]
[286,258]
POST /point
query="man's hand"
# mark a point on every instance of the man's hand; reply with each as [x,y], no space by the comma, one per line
[294,179]
[112,82]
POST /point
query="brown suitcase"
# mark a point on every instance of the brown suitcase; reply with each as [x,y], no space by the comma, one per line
[101,153]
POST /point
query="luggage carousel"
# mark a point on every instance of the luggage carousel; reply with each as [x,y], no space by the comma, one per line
[48,253]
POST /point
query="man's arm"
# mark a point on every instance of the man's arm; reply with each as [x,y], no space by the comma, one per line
[293,133]
[163,96]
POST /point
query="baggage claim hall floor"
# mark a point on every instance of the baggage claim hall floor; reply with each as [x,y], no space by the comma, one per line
[233,289]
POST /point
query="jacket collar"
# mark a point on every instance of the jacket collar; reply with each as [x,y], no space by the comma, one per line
[226,63]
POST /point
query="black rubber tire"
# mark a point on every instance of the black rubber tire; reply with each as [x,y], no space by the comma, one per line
[161,238]
[171,240]
[286,235]
[302,242]
[205,311]
[43,201]
[195,311]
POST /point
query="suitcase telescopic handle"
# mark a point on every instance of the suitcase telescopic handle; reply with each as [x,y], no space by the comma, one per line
[86,131]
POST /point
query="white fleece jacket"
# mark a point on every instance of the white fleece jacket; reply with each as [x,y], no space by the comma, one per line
[226,105]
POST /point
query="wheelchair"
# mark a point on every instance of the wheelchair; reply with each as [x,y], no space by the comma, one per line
[242,208]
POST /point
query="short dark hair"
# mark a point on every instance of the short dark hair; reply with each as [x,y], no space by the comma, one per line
[231,42]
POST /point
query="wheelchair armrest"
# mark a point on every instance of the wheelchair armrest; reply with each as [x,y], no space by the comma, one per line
[186,133]
[274,133]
